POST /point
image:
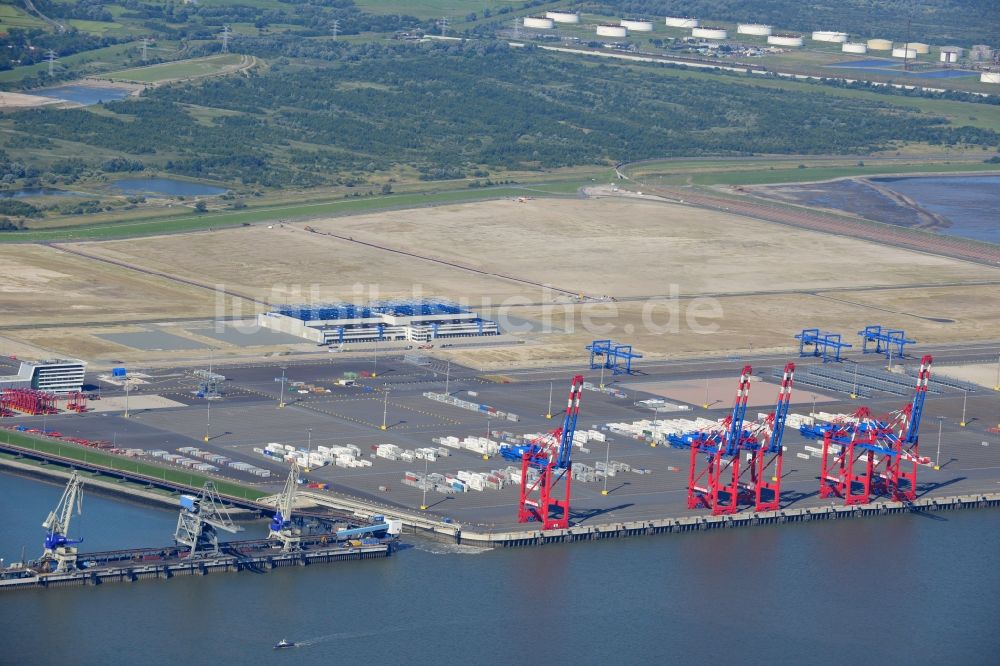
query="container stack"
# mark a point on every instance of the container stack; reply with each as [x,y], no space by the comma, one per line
[471,406]
[481,445]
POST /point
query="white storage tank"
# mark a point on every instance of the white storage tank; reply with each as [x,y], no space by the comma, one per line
[758,29]
[951,53]
[539,22]
[989,77]
[785,40]
[563,17]
[904,53]
[637,25]
[879,45]
[708,32]
[829,36]
[612,31]
[681,22]
[854,47]
[919,47]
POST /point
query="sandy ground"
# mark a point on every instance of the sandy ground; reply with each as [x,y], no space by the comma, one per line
[289,265]
[653,258]
[13,100]
[43,285]
[984,374]
[639,248]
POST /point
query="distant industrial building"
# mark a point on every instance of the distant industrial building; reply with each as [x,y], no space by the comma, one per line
[417,321]
[54,376]
[981,53]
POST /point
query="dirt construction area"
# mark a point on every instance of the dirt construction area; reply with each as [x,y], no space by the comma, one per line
[670,279]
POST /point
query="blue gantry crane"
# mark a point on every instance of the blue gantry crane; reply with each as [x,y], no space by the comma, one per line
[824,344]
[885,341]
[614,356]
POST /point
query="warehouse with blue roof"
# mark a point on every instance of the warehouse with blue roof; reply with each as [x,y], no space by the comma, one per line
[411,320]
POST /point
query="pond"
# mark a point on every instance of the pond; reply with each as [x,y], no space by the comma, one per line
[81,94]
[167,186]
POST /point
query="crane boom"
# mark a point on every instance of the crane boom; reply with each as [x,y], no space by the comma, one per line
[565,452]
[917,405]
[735,431]
[781,409]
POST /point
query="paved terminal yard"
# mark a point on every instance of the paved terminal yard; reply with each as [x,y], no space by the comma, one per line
[248,417]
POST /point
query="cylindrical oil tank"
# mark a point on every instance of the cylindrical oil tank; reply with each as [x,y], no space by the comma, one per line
[785,40]
[951,53]
[708,32]
[989,77]
[920,48]
[681,22]
[854,47]
[612,31]
[904,53]
[758,29]
[829,36]
[539,22]
[563,17]
[637,25]
[879,45]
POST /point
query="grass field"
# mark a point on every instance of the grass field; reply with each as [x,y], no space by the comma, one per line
[96,457]
[986,116]
[195,222]
[759,174]
[16,17]
[453,9]
[181,69]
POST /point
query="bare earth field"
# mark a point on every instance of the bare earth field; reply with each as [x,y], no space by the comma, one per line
[669,279]
[42,285]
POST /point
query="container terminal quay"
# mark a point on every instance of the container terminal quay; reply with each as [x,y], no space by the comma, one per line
[413,436]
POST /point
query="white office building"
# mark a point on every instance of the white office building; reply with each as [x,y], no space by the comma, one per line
[54,376]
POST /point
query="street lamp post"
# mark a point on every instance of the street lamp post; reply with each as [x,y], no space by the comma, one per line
[486,456]
[128,385]
[814,404]
[996,387]
[548,414]
[937,459]
[854,391]
[375,364]
[656,418]
[423,502]
[607,462]
[602,375]
[208,419]
[965,400]
[447,377]
[705,404]
[385,409]
[281,399]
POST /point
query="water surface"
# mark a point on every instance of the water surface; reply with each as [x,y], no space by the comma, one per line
[83,94]
[969,203]
[167,186]
[909,590]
